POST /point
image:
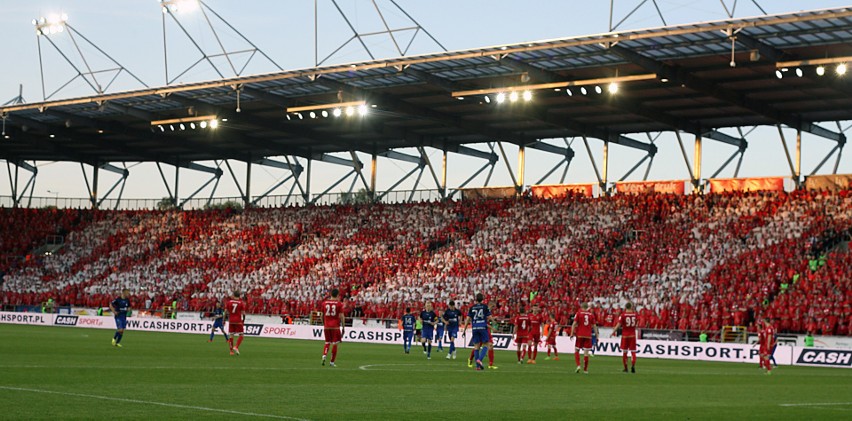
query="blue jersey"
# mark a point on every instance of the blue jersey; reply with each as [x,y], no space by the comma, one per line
[452,316]
[479,315]
[408,322]
[428,318]
[439,324]
[219,316]
[121,306]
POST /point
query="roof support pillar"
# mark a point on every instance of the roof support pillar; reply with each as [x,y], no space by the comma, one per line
[605,167]
[601,182]
[696,160]
[799,156]
[247,199]
[373,176]
[444,175]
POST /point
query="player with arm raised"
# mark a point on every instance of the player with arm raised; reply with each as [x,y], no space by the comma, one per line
[408,321]
[478,318]
[627,323]
[120,307]
[521,328]
[451,317]
[581,330]
[235,309]
[536,319]
[333,321]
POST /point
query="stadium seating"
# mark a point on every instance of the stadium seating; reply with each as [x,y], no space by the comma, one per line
[689,262]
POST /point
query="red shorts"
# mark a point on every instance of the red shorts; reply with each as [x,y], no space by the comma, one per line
[332,334]
[235,327]
[522,340]
[536,339]
[765,351]
[628,343]
[583,343]
[551,340]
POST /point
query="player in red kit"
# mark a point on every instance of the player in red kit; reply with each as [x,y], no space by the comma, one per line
[521,330]
[552,331]
[333,322]
[582,328]
[766,339]
[536,319]
[627,322]
[236,315]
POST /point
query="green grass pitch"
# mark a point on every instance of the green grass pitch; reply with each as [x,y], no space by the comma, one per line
[71,373]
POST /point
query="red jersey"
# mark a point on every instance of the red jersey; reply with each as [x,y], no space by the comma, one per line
[766,337]
[552,329]
[522,325]
[628,322]
[535,324]
[331,311]
[236,309]
[585,320]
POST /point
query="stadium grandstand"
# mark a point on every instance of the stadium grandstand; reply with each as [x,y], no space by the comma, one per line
[695,255]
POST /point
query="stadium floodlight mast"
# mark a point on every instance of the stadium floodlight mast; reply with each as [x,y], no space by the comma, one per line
[185,9]
[52,25]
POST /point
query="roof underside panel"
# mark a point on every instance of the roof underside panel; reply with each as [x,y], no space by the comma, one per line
[410,101]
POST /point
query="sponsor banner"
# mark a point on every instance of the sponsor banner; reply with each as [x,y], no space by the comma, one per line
[558,191]
[824,357]
[719,185]
[63,320]
[488,193]
[26,318]
[635,187]
[832,183]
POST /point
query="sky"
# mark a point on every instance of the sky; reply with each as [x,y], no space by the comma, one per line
[131,32]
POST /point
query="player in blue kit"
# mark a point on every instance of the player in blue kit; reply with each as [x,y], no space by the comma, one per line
[429,318]
[478,318]
[120,307]
[408,321]
[218,322]
[451,318]
[440,326]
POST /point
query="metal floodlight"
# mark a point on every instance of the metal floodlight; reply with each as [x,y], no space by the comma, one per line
[598,89]
[172,127]
[313,114]
[182,127]
[841,69]
[527,95]
[799,72]
[214,124]
[325,113]
[183,6]
[203,124]
[192,126]
[513,96]
[583,90]
[362,110]
[301,117]
[50,25]
[288,117]
[820,70]
[337,112]
[501,98]
[350,111]
[160,126]
[487,99]
[569,92]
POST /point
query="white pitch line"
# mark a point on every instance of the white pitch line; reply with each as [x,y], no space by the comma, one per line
[170,405]
[817,404]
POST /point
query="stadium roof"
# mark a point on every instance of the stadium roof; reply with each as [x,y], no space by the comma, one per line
[685,82]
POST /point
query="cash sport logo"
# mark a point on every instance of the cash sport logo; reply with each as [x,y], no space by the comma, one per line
[826,357]
[65,320]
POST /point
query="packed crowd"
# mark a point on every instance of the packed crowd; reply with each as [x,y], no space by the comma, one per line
[687,262]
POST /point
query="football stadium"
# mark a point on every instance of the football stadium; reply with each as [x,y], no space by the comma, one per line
[352,209]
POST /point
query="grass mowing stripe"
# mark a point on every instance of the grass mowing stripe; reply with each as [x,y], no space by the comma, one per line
[137,401]
[817,404]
